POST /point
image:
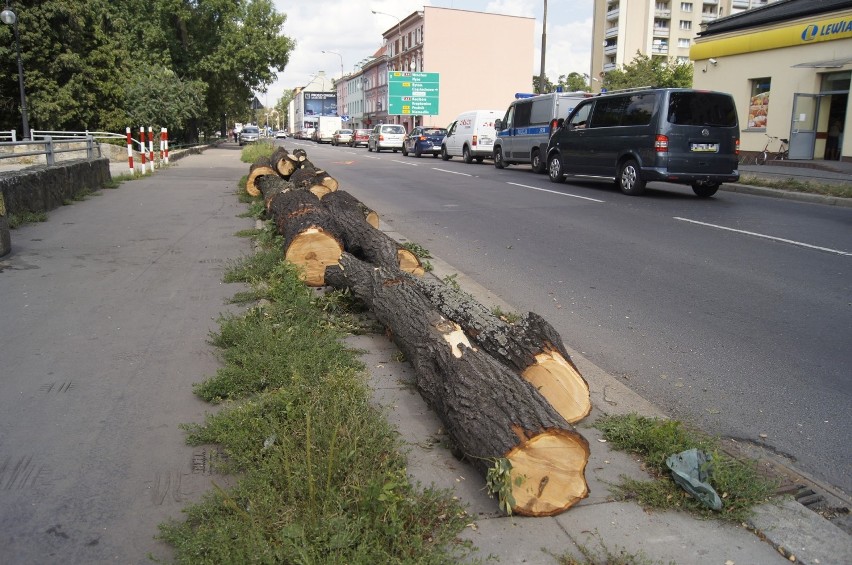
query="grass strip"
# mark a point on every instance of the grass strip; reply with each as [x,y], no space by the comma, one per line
[737,482]
[795,185]
[322,477]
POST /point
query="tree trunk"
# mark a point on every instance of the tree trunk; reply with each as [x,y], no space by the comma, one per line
[284,163]
[311,236]
[259,168]
[363,240]
[487,409]
[531,346]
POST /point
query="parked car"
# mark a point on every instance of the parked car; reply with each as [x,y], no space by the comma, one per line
[249,134]
[386,136]
[359,137]
[423,139]
[681,135]
[341,137]
[471,136]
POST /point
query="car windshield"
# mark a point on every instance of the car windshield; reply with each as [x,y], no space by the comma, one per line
[251,130]
[345,132]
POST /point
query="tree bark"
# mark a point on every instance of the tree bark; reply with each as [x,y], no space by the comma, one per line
[487,409]
[284,163]
[532,347]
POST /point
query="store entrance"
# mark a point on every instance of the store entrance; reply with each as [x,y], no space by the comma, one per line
[837,104]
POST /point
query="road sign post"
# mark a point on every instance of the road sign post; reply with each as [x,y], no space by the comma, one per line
[413,94]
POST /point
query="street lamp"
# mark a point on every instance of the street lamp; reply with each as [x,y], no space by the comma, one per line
[341,60]
[398,29]
[9,18]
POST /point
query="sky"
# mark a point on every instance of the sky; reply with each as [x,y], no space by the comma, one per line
[349,27]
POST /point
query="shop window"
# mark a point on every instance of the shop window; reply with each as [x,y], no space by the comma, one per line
[836,82]
[758,107]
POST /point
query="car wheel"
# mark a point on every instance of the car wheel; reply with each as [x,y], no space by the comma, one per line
[394,150]
[404,151]
[555,170]
[498,158]
[630,179]
[705,190]
[417,152]
[444,155]
[434,155]
[466,155]
[537,163]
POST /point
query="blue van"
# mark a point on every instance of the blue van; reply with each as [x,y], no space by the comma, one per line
[673,135]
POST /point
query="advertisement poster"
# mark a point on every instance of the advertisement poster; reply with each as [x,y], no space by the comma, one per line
[758,109]
[320,104]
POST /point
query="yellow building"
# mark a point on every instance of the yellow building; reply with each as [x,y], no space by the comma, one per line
[788,66]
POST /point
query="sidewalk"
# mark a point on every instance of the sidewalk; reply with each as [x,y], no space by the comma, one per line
[140,289]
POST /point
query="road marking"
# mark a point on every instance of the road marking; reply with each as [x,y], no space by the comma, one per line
[404,163]
[451,172]
[764,236]
[371,157]
[556,192]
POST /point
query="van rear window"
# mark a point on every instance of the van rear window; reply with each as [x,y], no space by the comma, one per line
[702,109]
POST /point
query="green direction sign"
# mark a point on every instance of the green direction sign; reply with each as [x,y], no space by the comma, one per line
[413,94]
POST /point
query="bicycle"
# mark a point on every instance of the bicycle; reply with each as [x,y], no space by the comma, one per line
[782,154]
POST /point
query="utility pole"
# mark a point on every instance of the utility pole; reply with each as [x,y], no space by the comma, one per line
[541,77]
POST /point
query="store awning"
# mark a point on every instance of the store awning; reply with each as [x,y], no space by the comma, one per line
[830,64]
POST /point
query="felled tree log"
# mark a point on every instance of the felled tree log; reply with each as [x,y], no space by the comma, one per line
[486,408]
[314,179]
[363,240]
[283,162]
[531,346]
[272,185]
[311,235]
[259,168]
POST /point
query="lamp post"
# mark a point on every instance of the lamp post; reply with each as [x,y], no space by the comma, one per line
[9,17]
[397,65]
[341,60]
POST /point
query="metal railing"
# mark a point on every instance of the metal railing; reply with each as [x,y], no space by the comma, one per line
[48,146]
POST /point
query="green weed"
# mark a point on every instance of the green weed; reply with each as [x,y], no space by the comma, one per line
[254,151]
[794,185]
[606,556]
[17,220]
[418,250]
[737,482]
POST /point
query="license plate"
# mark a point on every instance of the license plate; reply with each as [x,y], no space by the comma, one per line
[704,147]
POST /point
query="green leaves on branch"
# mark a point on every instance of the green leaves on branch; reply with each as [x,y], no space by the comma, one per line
[650,71]
[155,95]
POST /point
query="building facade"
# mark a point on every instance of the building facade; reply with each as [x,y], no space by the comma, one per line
[656,28]
[788,66]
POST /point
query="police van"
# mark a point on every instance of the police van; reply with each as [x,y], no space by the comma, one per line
[524,131]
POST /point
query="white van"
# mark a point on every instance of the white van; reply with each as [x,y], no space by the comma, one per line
[524,131]
[471,136]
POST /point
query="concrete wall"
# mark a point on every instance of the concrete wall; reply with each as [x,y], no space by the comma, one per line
[43,188]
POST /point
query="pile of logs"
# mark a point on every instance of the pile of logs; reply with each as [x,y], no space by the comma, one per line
[502,391]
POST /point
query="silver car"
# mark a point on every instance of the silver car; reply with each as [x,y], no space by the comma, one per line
[249,134]
[386,136]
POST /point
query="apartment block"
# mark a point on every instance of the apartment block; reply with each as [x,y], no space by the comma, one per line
[656,28]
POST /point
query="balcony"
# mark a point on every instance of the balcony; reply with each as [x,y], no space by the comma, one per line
[611,32]
[612,14]
[661,31]
[708,17]
[660,50]
[710,2]
[665,14]
[609,67]
[611,49]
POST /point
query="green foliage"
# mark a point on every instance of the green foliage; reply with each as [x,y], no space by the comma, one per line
[606,556]
[795,185]
[649,71]
[738,483]
[254,151]
[156,95]
[573,82]
[499,481]
[17,220]
[418,250]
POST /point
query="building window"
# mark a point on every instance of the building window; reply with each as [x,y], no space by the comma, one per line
[685,24]
[758,106]
[683,42]
[686,6]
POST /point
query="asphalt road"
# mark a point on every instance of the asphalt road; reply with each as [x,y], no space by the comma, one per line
[732,313]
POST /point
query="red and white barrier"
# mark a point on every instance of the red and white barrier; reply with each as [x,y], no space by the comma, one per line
[142,145]
[130,151]
[164,145]
[151,147]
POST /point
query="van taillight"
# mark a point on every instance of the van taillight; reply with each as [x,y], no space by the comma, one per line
[474,141]
[737,146]
[381,137]
[661,144]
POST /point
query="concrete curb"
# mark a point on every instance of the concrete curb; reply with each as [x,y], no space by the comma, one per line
[787,194]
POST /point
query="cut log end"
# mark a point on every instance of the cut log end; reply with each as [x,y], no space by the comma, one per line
[561,384]
[550,467]
[251,187]
[373,219]
[313,250]
[409,263]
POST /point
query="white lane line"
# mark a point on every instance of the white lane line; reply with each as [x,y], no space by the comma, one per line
[371,157]
[556,192]
[451,172]
[404,163]
[764,236]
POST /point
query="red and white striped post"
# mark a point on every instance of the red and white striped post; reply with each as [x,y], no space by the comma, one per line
[130,151]
[151,147]
[164,145]
[142,149]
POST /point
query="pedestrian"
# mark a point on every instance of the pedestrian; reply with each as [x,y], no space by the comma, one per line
[832,145]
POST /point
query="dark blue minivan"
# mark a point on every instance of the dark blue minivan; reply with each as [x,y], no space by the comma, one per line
[674,135]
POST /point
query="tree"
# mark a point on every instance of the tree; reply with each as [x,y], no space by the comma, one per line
[574,82]
[650,71]
[548,86]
